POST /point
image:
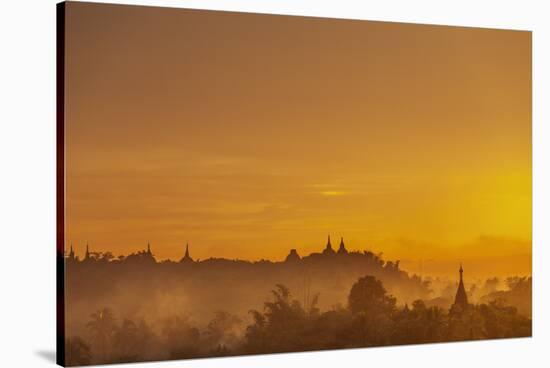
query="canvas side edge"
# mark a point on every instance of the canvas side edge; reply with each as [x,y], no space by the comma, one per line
[60,182]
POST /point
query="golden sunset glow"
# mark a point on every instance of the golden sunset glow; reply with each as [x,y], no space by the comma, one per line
[248,136]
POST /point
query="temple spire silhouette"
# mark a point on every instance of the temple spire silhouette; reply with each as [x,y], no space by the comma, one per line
[71,253]
[328,248]
[461,298]
[187,257]
[148,248]
[342,249]
[87,255]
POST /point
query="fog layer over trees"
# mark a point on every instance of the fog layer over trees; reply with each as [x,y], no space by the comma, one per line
[133,308]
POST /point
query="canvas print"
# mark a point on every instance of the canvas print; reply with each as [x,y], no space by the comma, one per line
[233,184]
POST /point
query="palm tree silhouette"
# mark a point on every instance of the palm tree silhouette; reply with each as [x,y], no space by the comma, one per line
[102,327]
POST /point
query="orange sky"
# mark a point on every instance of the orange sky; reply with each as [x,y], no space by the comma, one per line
[247,135]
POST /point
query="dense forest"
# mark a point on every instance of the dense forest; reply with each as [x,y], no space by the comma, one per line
[133,308]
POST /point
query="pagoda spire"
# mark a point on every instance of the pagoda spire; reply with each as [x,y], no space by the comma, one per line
[187,256]
[342,249]
[87,251]
[328,248]
[71,252]
[148,248]
[461,298]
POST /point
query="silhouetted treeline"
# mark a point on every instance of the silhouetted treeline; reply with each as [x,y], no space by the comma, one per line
[139,287]
[370,317]
[518,293]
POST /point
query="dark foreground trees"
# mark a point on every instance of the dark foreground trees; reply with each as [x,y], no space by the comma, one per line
[132,341]
[370,318]
[283,326]
[372,310]
[77,352]
[102,328]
